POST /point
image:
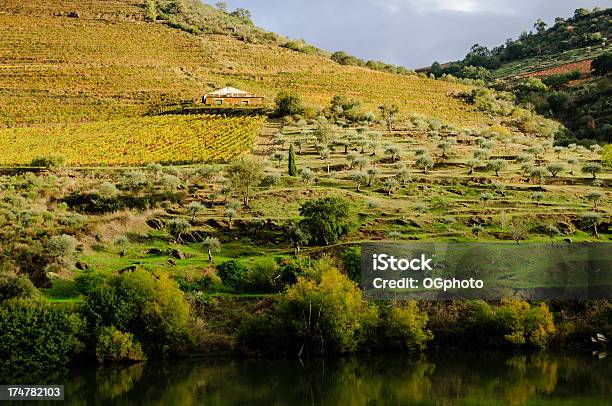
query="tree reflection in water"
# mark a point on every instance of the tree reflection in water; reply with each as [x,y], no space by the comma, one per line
[437,378]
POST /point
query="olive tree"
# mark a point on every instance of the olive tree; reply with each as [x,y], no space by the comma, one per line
[393,152]
[446,146]
[324,155]
[591,168]
[390,185]
[194,209]
[297,237]
[554,169]
[594,196]
[372,174]
[591,221]
[210,245]
[497,165]
[245,175]
[572,162]
[360,179]
[177,227]
[537,197]
[472,164]
[230,214]
[425,162]
[538,173]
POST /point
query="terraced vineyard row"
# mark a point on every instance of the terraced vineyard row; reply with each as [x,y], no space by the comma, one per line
[131,142]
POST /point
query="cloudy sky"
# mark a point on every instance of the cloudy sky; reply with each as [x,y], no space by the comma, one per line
[412,33]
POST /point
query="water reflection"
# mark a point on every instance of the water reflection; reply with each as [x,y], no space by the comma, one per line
[442,379]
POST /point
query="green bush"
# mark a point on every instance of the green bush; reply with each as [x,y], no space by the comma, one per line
[352,263]
[263,276]
[327,316]
[38,335]
[94,203]
[326,219]
[116,346]
[404,327]
[51,161]
[606,156]
[288,104]
[559,80]
[513,322]
[294,268]
[197,285]
[151,307]
[231,273]
[14,286]
[88,282]
[602,65]
[61,246]
[521,323]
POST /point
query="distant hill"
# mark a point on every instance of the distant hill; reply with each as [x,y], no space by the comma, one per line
[583,36]
[560,58]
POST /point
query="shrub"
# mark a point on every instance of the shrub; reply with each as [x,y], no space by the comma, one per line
[135,180]
[405,327]
[293,268]
[263,276]
[95,203]
[51,161]
[288,104]
[602,64]
[88,282]
[170,183]
[271,179]
[326,219]
[197,285]
[61,246]
[513,322]
[352,263]
[116,346]
[108,190]
[231,273]
[14,286]
[38,335]
[327,316]
[520,323]
[606,156]
[152,307]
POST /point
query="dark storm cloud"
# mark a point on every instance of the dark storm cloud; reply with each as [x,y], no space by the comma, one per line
[407,32]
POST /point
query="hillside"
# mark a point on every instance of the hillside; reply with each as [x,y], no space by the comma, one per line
[582,37]
[69,61]
[550,71]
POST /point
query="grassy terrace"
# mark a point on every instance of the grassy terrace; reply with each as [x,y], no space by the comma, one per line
[397,201]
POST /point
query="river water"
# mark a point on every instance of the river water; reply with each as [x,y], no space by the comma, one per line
[449,378]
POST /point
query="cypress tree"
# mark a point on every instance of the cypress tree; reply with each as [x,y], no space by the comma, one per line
[292,165]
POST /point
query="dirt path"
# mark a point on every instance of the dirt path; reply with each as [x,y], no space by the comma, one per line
[264,144]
